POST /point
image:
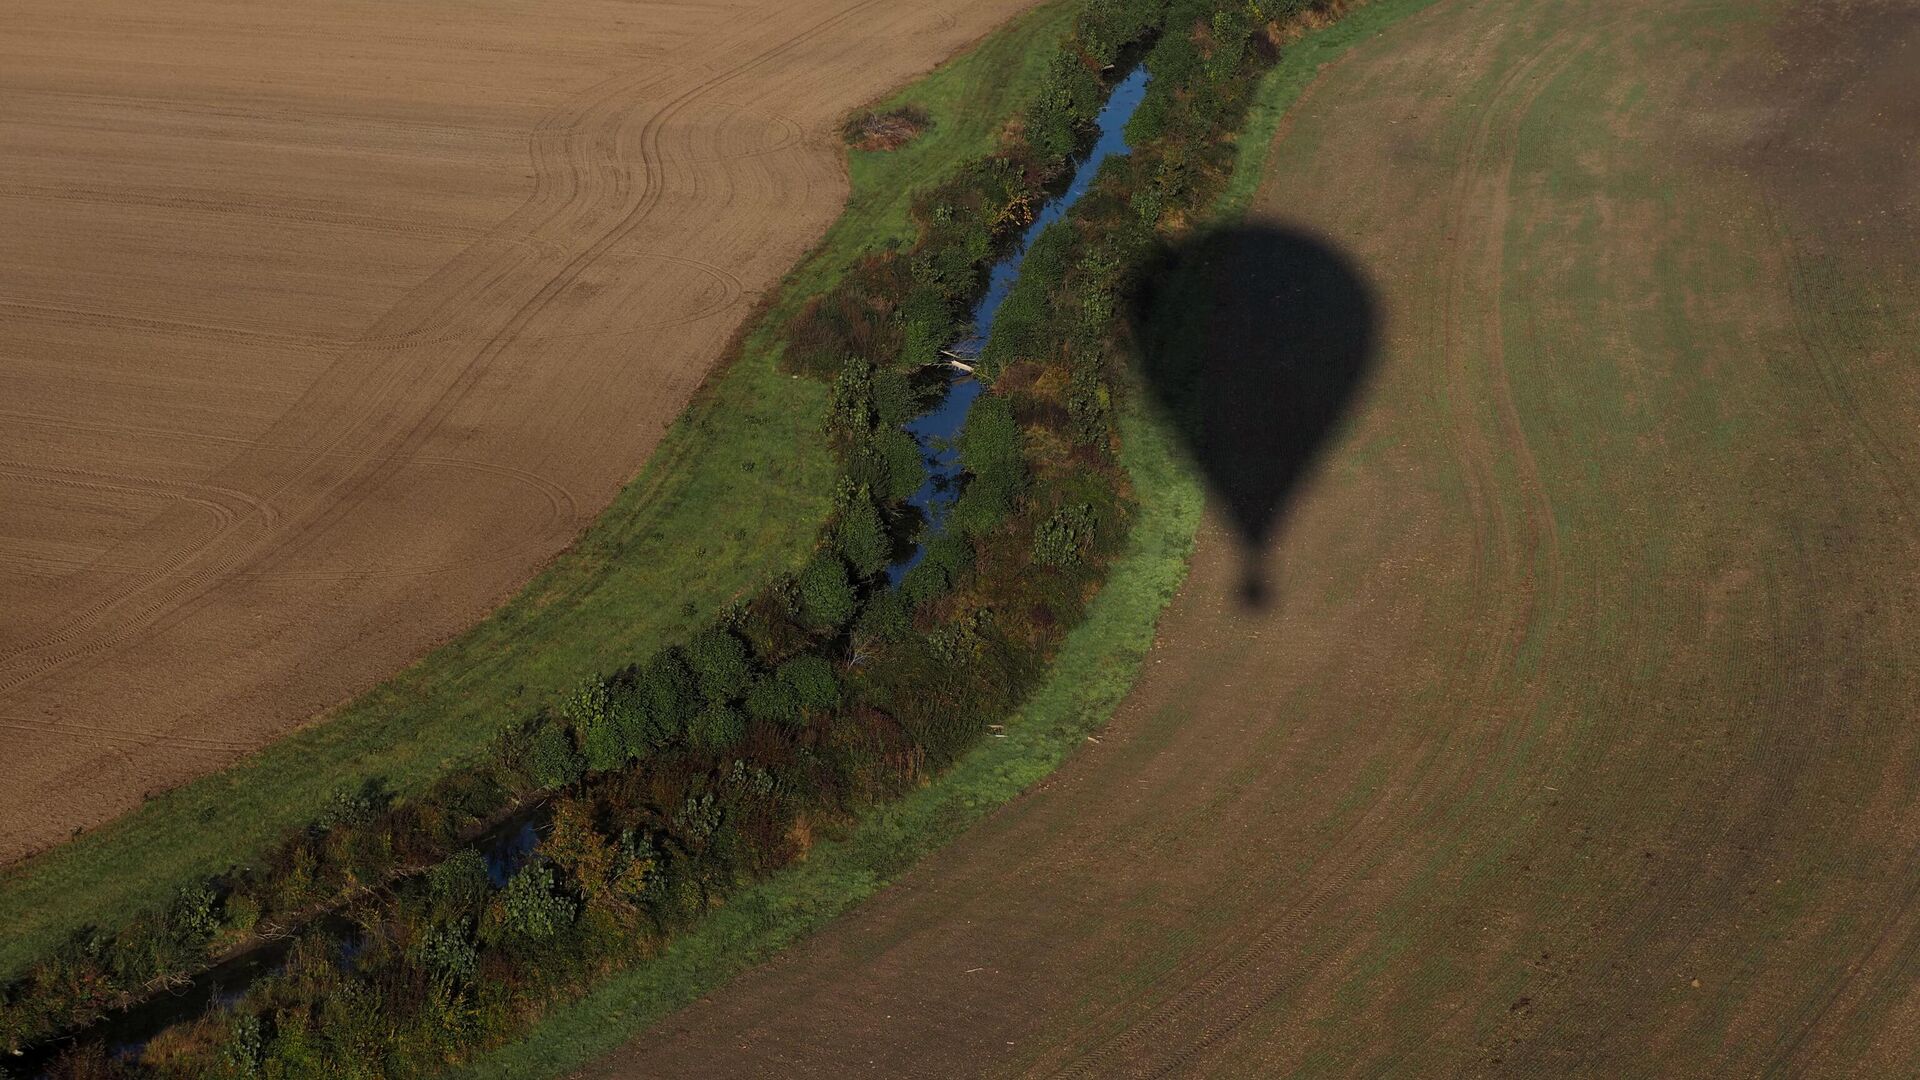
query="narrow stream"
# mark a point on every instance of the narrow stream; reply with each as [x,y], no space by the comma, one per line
[505,848]
[937,428]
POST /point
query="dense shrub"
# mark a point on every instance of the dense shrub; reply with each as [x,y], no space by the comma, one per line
[605,722]
[529,908]
[1060,115]
[993,446]
[811,681]
[669,694]
[548,756]
[802,685]
[826,594]
[859,533]
[458,883]
[717,726]
[1026,324]
[719,664]
[1063,539]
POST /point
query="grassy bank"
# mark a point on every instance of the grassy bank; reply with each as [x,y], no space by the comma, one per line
[1088,680]
[733,496]
[1290,78]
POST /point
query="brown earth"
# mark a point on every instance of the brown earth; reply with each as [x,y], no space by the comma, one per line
[324,324]
[1579,735]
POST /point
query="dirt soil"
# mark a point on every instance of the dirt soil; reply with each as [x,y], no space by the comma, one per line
[1577,733]
[324,324]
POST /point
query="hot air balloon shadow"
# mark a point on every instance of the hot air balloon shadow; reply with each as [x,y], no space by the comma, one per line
[1254,341]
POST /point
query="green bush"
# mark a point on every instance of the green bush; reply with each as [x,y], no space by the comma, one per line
[1062,540]
[948,558]
[192,918]
[1107,26]
[604,723]
[894,399]
[1026,325]
[669,695]
[719,664]
[826,596]
[447,952]
[812,681]
[529,908]
[295,1052]
[993,447]
[850,405]
[352,806]
[717,727]
[860,535]
[245,1045]
[458,882]
[887,617]
[1231,31]
[1064,109]
[902,461]
[550,759]
[772,702]
[700,819]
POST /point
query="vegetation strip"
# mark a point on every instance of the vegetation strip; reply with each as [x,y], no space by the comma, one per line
[827,692]
[732,497]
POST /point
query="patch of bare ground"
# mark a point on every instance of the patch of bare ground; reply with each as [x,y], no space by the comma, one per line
[1578,738]
[323,325]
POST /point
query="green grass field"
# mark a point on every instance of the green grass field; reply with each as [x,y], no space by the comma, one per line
[733,496]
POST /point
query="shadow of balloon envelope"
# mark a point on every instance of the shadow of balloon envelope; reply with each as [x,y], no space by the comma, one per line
[1255,341]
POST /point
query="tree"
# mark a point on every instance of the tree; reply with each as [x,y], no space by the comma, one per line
[719,663]
[811,681]
[669,694]
[993,447]
[717,727]
[860,535]
[549,759]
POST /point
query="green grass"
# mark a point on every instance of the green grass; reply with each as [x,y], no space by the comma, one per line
[1283,85]
[733,496]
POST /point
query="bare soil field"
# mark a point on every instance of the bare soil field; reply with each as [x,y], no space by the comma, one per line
[1575,733]
[323,325]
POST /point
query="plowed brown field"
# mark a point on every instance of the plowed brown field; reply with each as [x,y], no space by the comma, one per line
[1579,735]
[323,324]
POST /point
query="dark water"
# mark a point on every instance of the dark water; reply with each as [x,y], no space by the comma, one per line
[936,429]
[508,848]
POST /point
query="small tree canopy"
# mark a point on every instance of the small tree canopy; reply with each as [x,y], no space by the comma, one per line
[826,596]
[719,663]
